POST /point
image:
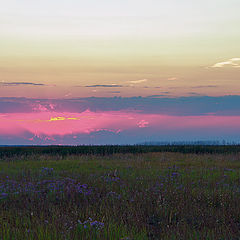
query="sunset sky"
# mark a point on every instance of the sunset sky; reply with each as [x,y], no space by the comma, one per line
[163,70]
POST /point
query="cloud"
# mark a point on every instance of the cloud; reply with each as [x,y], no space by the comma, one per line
[21,83]
[61,119]
[172,78]
[68,94]
[205,86]
[165,92]
[193,105]
[156,96]
[104,85]
[139,81]
[162,93]
[194,93]
[143,124]
[233,62]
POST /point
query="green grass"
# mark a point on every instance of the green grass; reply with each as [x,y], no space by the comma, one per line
[136,196]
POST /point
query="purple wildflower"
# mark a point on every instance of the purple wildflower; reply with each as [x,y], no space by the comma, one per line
[3,195]
[97,225]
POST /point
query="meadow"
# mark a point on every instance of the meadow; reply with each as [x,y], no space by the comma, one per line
[51,194]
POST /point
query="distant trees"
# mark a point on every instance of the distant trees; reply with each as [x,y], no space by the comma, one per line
[183,147]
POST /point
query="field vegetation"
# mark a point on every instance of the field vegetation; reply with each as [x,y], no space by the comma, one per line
[125,195]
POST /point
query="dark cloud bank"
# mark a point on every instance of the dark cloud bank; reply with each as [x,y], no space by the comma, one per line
[106,86]
[21,83]
[182,106]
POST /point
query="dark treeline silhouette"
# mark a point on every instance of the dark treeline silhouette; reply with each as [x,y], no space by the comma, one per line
[7,151]
[199,142]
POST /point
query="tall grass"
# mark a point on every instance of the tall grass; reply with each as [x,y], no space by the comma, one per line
[120,196]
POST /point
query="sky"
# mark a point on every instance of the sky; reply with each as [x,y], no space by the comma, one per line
[161,70]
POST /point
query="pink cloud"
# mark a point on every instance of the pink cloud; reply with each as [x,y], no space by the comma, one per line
[54,123]
[143,124]
[51,124]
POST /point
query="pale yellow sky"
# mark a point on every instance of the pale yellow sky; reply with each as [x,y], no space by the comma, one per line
[179,47]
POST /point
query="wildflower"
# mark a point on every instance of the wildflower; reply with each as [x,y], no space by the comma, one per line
[174,174]
[114,195]
[97,225]
[91,224]
[3,195]
[46,171]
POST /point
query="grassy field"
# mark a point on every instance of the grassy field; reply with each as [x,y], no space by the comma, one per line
[120,196]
